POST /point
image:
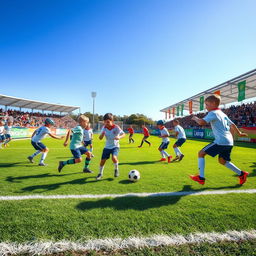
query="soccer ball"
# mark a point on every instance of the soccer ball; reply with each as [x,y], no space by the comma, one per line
[134,175]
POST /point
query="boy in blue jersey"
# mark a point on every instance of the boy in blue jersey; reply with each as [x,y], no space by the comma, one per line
[7,128]
[36,138]
[222,128]
[88,137]
[113,134]
[76,147]
[181,138]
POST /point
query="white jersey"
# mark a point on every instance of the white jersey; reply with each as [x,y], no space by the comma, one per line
[40,133]
[220,124]
[88,134]
[110,134]
[1,130]
[181,132]
[7,129]
[163,132]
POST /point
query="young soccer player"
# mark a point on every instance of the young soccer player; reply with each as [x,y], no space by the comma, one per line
[181,136]
[36,138]
[164,134]
[88,137]
[7,128]
[2,137]
[146,135]
[113,134]
[76,147]
[131,132]
[222,128]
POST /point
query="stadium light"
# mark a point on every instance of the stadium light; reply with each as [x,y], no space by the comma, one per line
[93,106]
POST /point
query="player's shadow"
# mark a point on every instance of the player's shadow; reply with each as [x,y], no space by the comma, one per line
[139,162]
[39,176]
[253,173]
[143,203]
[54,186]
[24,163]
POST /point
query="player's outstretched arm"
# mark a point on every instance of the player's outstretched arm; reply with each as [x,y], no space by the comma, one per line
[199,120]
[235,130]
[67,138]
[56,137]
[120,136]
[102,135]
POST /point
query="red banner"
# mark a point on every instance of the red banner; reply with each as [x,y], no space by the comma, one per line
[190,104]
[173,112]
[217,92]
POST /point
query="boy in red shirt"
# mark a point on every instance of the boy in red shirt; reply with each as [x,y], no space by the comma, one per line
[146,135]
[131,132]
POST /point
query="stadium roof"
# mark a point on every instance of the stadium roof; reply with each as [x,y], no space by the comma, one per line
[32,104]
[228,91]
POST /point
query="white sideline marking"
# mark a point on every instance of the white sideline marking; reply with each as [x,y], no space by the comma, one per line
[92,196]
[110,244]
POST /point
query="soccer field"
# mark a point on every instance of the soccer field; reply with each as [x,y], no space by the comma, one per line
[109,216]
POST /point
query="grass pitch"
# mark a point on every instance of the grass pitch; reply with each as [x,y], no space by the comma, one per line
[79,219]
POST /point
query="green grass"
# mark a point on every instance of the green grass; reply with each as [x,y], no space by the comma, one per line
[76,219]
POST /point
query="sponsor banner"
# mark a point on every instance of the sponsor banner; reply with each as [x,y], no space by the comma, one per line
[209,134]
[189,132]
[199,133]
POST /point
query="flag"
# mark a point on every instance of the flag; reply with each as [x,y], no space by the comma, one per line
[241,90]
[201,103]
[178,110]
[190,104]
[173,112]
[182,109]
[217,92]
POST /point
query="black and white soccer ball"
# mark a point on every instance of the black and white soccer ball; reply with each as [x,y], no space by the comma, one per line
[134,175]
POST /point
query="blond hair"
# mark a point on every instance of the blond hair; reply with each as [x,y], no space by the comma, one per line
[214,98]
[82,118]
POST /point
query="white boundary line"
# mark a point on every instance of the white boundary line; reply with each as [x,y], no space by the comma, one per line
[92,196]
[110,244]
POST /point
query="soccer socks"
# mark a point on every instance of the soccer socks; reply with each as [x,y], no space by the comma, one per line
[101,170]
[116,166]
[90,149]
[148,142]
[36,153]
[177,151]
[165,153]
[70,161]
[232,167]
[44,154]
[87,162]
[201,165]
[162,153]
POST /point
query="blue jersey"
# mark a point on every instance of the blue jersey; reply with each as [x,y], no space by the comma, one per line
[220,124]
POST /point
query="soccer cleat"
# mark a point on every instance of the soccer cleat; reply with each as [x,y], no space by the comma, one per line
[169,158]
[116,173]
[181,157]
[61,165]
[197,178]
[30,158]
[175,159]
[139,146]
[42,164]
[87,170]
[243,177]
[162,159]
[92,155]
[99,177]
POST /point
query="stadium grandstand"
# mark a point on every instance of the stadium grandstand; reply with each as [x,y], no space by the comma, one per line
[31,113]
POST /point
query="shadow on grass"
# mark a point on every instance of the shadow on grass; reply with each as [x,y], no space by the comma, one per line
[143,203]
[24,163]
[53,186]
[253,173]
[140,162]
[39,176]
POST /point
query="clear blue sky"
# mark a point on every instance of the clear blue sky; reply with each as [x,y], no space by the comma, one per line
[138,55]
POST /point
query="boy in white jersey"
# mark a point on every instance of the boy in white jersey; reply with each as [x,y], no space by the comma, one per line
[164,134]
[222,128]
[36,138]
[88,136]
[113,134]
[2,137]
[76,147]
[7,128]
[181,138]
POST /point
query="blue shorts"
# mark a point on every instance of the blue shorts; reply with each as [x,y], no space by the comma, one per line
[78,152]
[7,136]
[215,149]
[164,145]
[107,152]
[179,142]
[38,145]
[2,137]
[88,142]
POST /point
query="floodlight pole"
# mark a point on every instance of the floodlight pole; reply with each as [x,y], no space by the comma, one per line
[93,107]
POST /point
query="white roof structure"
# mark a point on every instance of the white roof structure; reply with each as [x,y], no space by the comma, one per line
[228,91]
[32,104]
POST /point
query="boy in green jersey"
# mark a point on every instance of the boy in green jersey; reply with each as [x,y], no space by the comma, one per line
[76,147]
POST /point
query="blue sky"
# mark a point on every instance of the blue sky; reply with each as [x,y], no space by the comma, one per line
[138,55]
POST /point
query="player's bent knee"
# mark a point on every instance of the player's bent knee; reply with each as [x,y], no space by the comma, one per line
[201,153]
[78,160]
[174,146]
[222,161]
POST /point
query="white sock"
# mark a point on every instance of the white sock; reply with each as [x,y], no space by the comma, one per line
[166,153]
[44,154]
[177,151]
[36,153]
[201,165]
[232,167]
[162,154]
[91,149]
[101,170]
[116,166]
